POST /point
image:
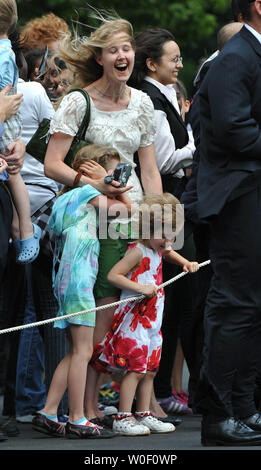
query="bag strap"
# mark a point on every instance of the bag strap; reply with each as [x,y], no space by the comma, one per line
[86,119]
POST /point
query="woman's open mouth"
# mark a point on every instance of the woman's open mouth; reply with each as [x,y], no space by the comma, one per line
[121,67]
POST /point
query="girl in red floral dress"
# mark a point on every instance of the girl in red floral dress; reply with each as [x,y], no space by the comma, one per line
[133,343]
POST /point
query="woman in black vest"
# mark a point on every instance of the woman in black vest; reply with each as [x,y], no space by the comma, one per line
[157,64]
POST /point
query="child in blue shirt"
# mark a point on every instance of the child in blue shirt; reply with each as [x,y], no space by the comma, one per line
[26,235]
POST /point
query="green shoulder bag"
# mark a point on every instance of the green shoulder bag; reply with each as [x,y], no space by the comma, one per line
[37,146]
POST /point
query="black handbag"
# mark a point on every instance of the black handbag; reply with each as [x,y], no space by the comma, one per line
[37,146]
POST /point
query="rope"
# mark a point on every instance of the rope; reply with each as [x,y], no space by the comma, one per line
[102,307]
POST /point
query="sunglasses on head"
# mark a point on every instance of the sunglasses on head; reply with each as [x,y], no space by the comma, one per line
[42,67]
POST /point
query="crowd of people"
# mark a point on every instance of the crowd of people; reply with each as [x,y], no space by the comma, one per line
[111,360]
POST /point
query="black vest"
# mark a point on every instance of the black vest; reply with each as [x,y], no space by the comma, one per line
[170,183]
[176,123]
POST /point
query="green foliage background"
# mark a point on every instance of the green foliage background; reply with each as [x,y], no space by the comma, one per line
[194,23]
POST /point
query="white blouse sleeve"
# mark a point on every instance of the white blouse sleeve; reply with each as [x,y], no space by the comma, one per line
[147,121]
[169,159]
[69,114]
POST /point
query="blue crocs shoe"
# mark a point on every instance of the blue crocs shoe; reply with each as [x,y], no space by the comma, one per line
[30,247]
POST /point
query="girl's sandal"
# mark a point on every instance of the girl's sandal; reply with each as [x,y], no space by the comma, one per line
[90,431]
[30,247]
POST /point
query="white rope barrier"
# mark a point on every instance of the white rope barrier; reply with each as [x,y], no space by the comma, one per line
[102,307]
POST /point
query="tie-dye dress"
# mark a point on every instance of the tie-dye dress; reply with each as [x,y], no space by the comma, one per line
[74,223]
[134,340]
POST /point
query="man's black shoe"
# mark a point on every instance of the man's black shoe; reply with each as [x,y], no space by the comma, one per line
[3,436]
[228,432]
[9,427]
[253,422]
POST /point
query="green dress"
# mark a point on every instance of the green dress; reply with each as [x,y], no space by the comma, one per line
[74,223]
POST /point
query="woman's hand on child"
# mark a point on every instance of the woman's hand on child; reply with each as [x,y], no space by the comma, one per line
[93,169]
[3,165]
[191,267]
[148,289]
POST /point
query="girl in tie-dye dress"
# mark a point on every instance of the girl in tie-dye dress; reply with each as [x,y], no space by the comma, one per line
[74,222]
[133,344]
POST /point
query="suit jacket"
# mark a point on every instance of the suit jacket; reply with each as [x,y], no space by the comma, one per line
[230,123]
[190,197]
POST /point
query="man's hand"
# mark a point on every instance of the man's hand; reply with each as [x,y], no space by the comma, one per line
[9,105]
[15,158]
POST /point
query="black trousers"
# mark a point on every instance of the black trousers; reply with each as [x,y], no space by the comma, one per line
[12,295]
[6,213]
[195,330]
[232,321]
[178,311]
[178,305]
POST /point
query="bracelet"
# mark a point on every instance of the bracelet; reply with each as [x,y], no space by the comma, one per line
[77,179]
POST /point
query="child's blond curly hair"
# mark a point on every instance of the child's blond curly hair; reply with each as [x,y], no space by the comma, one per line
[156,212]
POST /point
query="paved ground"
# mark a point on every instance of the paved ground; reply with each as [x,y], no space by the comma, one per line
[180,447]
[186,436]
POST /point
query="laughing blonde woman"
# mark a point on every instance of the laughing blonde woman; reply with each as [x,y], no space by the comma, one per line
[122,117]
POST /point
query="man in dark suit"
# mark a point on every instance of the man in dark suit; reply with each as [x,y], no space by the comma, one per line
[229,198]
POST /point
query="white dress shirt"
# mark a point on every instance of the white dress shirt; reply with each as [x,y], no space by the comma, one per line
[170,160]
[254,32]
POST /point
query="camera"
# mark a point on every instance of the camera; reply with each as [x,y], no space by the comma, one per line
[121,174]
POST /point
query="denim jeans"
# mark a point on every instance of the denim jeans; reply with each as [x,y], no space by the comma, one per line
[30,387]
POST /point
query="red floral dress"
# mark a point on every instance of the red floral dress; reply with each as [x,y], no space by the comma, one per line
[134,340]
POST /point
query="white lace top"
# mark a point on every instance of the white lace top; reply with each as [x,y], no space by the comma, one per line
[125,130]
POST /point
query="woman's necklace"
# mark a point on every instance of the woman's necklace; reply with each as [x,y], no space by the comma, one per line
[107,95]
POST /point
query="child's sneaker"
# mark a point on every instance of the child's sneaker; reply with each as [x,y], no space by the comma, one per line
[88,430]
[109,396]
[127,425]
[173,406]
[48,426]
[154,424]
[107,410]
[180,396]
